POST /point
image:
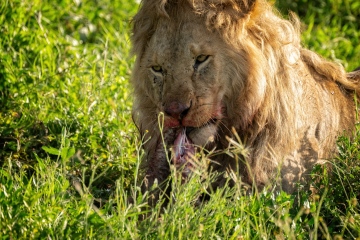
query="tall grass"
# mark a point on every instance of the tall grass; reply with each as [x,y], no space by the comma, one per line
[69,152]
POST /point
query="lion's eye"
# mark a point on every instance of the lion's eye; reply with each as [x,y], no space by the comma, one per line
[200,59]
[157,69]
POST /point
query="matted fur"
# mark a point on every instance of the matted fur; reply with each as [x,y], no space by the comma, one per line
[287,104]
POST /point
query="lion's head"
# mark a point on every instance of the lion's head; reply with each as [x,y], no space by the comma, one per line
[210,66]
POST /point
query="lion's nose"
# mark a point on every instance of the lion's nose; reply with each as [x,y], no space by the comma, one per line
[176,109]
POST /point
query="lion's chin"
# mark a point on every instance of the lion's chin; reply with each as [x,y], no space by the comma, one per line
[186,142]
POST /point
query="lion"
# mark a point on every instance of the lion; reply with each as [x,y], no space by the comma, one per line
[212,69]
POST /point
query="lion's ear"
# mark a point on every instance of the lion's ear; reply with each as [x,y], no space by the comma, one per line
[232,8]
[224,14]
[240,6]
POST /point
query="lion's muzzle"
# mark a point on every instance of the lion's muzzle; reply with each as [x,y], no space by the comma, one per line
[176,109]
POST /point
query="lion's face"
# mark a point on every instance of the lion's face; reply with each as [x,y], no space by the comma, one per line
[183,76]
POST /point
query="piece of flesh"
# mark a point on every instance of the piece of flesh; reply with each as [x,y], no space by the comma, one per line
[184,152]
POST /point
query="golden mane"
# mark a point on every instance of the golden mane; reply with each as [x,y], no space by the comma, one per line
[268,67]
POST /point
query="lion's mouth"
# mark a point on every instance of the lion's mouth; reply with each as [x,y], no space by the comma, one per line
[184,147]
[184,152]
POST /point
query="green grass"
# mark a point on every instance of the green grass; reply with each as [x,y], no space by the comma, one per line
[65,122]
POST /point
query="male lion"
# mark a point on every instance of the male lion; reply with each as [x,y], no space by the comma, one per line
[210,66]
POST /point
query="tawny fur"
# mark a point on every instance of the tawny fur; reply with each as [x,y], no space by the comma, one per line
[287,104]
